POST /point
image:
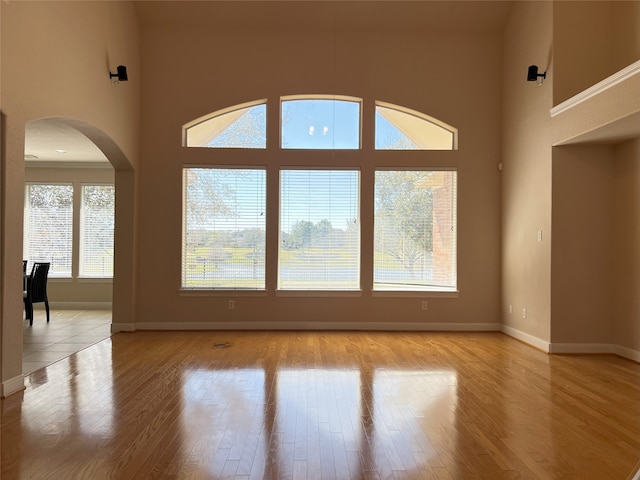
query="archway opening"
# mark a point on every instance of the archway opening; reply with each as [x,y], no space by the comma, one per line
[70,221]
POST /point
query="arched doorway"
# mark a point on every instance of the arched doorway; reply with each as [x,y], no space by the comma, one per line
[71,156]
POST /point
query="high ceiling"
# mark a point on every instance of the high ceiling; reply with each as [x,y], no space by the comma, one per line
[50,140]
[390,15]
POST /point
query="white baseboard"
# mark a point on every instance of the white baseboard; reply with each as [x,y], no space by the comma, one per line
[12,386]
[328,326]
[627,353]
[123,327]
[545,346]
[572,348]
[596,348]
[526,338]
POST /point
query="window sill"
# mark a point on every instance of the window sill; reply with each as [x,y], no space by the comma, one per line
[318,293]
[416,293]
[95,279]
[195,292]
[230,292]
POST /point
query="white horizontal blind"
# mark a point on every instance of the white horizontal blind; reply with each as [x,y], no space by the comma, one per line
[48,227]
[319,230]
[96,231]
[224,221]
[414,230]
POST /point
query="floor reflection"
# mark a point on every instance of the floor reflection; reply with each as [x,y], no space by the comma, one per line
[322,406]
[82,405]
[333,423]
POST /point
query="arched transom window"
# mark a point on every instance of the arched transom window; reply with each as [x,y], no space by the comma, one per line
[240,126]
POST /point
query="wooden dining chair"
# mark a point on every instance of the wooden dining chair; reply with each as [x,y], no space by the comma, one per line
[36,290]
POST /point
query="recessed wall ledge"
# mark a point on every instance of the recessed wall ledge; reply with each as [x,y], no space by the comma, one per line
[607,112]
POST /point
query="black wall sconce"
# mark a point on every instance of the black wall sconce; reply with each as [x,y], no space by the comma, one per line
[121,75]
[534,76]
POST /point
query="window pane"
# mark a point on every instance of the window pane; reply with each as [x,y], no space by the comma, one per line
[399,128]
[48,227]
[96,231]
[414,230]
[319,230]
[224,228]
[321,124]
[244,127]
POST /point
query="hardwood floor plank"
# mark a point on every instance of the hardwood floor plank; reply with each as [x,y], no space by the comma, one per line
[323,405]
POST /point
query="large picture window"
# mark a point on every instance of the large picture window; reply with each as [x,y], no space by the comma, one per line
[415,230]
[319,229]
[406,242]
[48,227]
[224,228]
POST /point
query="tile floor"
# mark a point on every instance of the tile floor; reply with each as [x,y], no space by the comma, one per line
[67,332]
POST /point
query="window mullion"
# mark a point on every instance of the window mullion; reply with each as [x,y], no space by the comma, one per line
[77,219]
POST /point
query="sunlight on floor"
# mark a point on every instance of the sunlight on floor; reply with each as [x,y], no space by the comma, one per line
[67,332]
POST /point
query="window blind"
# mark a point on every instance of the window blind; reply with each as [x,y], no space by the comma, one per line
[319,230]
[48,227]
[96,231]
[224,228]
[414,230]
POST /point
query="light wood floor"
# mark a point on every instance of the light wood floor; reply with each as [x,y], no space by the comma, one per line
[265,405]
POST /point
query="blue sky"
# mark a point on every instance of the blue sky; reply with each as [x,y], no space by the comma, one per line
[321,124]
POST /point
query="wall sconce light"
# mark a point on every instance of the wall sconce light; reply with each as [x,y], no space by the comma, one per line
[121,75]
[534,76]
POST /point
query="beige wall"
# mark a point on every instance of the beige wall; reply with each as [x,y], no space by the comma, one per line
[626,33]
[526,177]
[583,46]
[626,216]
[594,275]
[56,57]
[596,233]
[583,250]
[577,276]
[446,76]
[592,40]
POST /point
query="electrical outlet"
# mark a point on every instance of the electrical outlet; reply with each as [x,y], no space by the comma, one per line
[510,309]
[231,304]
[424,305]
[524,313]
